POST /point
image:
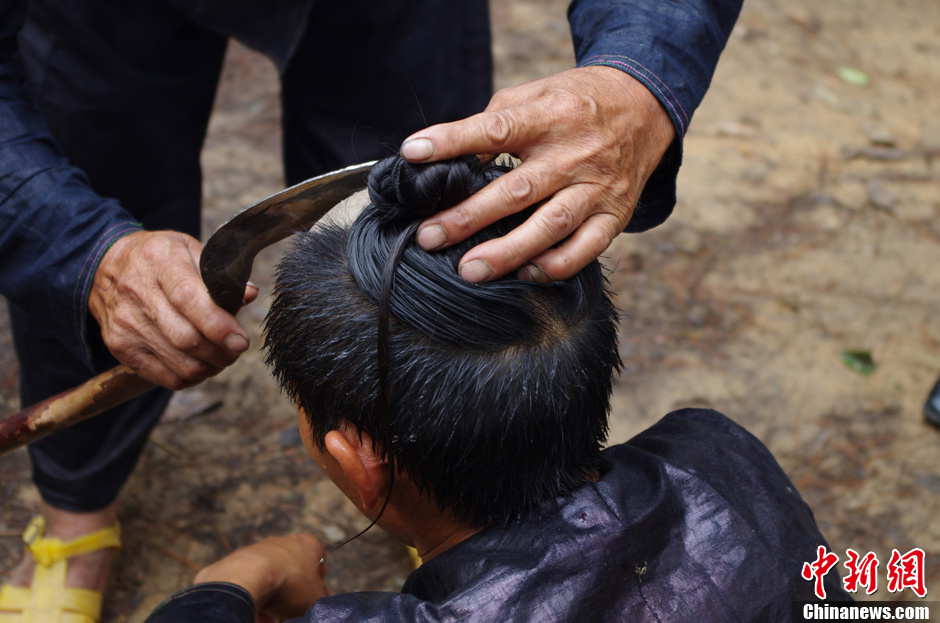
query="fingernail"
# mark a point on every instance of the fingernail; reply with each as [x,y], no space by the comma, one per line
[252,284]
[432,237]
[236,342]
[417,149]
[475,271]
[531,272]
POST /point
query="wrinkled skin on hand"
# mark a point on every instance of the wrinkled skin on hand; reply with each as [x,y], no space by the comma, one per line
[283,574]
[588,138]
[155,313]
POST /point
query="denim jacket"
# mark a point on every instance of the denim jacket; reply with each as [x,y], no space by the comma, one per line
[54,228]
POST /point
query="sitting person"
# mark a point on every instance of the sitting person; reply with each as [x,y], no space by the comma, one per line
[468,421]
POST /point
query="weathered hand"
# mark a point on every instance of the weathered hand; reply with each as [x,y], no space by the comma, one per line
[283,574]
[155,313]
[588,138]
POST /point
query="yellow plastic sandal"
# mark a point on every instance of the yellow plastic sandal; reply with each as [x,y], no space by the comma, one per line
[48,600]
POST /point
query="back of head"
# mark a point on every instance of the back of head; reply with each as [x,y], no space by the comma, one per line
[496,394]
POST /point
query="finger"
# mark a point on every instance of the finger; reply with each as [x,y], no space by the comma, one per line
[491,132]
[135,342]
[510,193]
[186,369]
[178,334]
[149,367]
[552,222]
[579,250]
[186,292]
[218,325]
[312,545]
[251,293]
[158,327]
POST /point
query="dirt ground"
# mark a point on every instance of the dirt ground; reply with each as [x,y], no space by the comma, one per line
[806,226]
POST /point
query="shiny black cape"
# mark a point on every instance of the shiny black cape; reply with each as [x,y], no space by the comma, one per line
[693,521]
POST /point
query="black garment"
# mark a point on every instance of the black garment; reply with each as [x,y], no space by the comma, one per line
[694,521]
[127,89]
[932,405]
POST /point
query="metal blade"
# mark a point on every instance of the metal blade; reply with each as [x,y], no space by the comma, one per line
[230,252]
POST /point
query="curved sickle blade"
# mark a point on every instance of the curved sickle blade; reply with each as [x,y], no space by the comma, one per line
[228,255]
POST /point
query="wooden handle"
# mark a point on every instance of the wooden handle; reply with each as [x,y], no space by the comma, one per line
[108,389]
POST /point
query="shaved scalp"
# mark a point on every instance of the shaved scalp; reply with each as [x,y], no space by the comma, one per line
[492,397]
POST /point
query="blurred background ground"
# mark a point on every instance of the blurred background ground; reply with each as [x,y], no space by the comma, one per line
[806,226]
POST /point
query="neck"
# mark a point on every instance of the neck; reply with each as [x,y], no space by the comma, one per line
[429,530]
[413,517]
[435,542]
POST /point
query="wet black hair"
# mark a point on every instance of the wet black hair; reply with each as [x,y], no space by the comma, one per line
[492,397]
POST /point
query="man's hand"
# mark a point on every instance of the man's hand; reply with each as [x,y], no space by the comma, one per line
[588,137]
[155,313]
[283,574]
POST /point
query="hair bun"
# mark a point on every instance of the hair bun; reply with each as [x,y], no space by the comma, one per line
[404,192]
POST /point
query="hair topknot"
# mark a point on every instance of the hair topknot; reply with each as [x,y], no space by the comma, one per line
[402,192]
[429,294]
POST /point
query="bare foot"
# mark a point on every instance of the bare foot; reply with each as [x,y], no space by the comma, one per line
[85,571]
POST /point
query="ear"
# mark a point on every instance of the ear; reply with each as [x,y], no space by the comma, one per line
[366,474]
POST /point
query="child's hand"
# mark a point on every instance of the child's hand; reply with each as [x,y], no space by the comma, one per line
[283,574]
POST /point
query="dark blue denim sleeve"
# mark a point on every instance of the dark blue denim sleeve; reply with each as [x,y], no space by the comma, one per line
[672,47]
[211,602]
[54,229]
